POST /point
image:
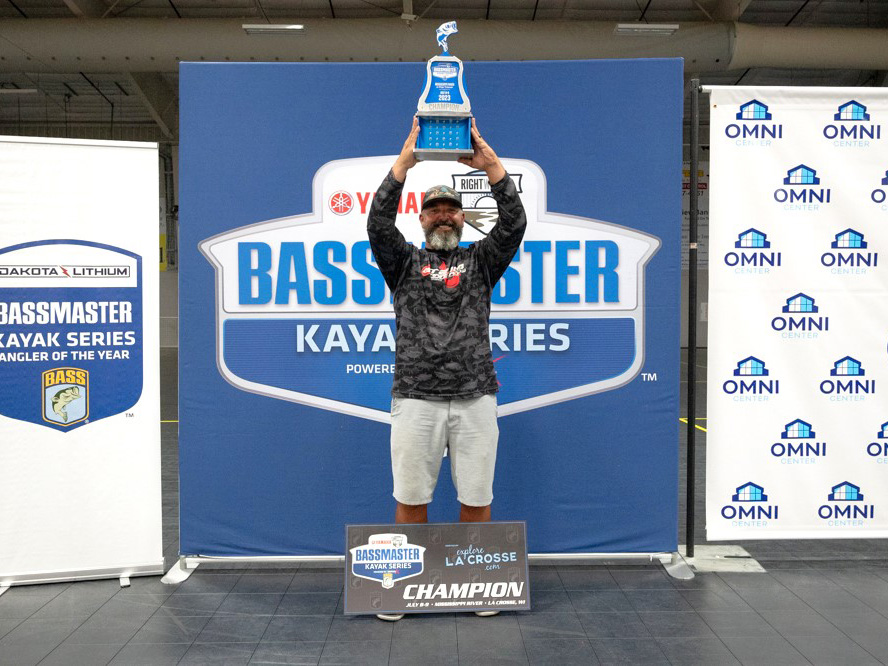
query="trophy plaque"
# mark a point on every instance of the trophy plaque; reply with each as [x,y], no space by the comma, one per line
[444,110]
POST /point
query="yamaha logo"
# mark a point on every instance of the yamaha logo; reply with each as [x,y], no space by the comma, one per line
[341,203]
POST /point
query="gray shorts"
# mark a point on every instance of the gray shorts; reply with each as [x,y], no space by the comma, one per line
[421,429]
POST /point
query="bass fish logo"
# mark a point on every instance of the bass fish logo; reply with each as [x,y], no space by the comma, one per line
[65,393]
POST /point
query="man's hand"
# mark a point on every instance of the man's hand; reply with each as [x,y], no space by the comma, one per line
[407,160]
[484,158]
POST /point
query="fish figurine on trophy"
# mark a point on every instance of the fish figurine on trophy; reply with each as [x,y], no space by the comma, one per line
[444,110]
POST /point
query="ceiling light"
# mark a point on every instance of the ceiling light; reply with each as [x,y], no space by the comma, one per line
[18,91]
[646,28]
[273,28]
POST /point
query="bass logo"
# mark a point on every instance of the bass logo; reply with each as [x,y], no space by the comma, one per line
[70,324]
[65,394]
[574,290]
[387,558]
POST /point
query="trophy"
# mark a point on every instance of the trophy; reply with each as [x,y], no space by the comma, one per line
[444,110]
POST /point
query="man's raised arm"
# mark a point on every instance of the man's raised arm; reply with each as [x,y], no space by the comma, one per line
[387,242]
[500,245]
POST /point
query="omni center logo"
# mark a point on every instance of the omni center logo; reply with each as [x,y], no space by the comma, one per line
[845,507]
[799,196]
[846,257]
[751,385]
[799,321]
[304,315]
[753,253]
[852,127]
[850,389]
[878,195]
[878,448]
[749,507]
[753,128]
[798,445]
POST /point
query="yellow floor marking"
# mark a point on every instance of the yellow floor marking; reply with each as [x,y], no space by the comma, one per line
[698,427]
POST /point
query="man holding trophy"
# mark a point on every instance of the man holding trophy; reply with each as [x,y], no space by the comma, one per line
[444,385]
[444,389]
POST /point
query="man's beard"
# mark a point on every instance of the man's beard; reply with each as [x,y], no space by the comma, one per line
[436,239]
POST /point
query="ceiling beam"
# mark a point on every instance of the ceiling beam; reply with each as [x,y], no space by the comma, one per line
[723,10]
[160,45]
[87,8]
[160,100]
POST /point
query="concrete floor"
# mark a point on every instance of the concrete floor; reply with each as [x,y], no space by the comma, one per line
[819,602]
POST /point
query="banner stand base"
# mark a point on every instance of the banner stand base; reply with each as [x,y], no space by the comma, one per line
[722,558]
[121,573]
[673,563]
[679,568]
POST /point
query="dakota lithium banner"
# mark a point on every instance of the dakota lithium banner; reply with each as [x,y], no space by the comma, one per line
[79,403]
[798,365]
[287,346]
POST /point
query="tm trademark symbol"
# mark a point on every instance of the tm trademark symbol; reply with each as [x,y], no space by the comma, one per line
[129,415]
[648,376]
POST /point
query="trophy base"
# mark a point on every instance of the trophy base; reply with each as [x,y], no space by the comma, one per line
[444,137]
[439,155]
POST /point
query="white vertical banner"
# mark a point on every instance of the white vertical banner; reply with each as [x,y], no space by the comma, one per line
[798,367]
[79,360]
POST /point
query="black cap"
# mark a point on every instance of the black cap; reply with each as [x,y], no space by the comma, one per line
[441,193]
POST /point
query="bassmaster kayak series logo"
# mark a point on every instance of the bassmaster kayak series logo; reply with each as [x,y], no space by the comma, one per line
[70,330]
[303,313]
[65,395]
[387,558]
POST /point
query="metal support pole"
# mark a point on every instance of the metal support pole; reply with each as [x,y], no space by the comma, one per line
[692,313]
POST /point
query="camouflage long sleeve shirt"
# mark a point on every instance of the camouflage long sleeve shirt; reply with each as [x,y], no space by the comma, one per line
[442,298]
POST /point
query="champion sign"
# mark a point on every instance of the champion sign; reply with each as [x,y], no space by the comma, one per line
[70,332]
[303,313]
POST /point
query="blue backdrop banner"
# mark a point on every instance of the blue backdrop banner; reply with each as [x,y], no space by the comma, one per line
[287,332]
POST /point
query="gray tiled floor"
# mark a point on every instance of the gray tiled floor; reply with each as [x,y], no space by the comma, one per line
[819,603]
